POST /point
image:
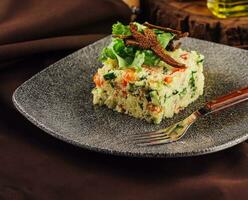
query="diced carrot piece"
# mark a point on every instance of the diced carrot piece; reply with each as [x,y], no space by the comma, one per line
[97,80]
[129,76]
[178,70]
[184,56]
[168,79]
[153,108]
[124,83]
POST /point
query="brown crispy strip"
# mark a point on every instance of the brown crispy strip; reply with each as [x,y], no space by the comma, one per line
[179,34]
[162,28]
[159,50]
[139,37]
[148,40]
[166,58]
[132,43]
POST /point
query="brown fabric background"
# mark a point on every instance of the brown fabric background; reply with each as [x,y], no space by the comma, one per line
[34,26]
[33,165]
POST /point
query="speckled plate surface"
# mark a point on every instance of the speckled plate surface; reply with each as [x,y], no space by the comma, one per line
[59,101]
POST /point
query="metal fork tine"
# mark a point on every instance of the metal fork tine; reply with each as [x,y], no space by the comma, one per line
[167,135]
[157,136]
[156,142]
[151,140]
[155,133]
[148,133]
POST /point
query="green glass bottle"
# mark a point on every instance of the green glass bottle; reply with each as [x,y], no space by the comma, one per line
[228,8]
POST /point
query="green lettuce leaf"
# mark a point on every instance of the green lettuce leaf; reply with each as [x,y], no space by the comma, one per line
[165,38]
[120,29]
[126,52]
[138,60]
[107,53]
[150,58]
[140,27]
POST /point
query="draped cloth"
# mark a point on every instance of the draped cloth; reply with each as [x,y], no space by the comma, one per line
[33,26]
[34,165]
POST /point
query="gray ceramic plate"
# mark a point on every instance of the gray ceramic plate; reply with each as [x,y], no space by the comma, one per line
[59,101]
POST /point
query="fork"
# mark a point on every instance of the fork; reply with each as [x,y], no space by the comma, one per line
[177,131]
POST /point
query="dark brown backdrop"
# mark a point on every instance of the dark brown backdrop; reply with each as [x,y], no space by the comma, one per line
[33,165]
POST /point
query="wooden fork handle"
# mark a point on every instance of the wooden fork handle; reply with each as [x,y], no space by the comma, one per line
[226,101]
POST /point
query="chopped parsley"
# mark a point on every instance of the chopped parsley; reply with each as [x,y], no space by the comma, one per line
[200,59]
[112,84]
[183,92]
[174,92]
[109,76]
[192,83]
[131,87]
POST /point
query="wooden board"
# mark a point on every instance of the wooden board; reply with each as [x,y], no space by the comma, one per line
[194,17]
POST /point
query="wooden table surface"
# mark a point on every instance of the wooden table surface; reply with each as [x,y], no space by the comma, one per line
[194,17]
